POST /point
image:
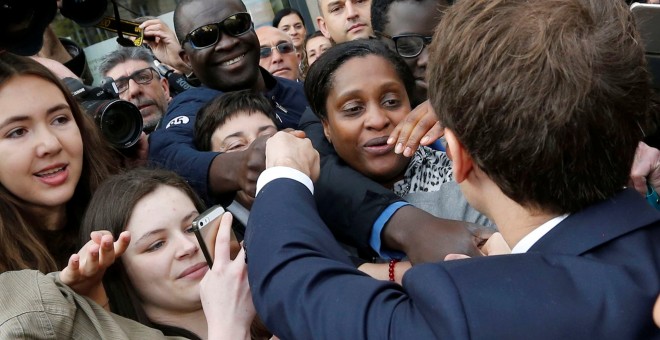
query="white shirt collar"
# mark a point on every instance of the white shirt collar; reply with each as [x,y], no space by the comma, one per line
[528,241]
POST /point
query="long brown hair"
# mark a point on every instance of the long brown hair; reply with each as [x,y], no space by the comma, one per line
[23,241]
[110,209]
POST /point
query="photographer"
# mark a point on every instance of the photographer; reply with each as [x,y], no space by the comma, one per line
[138,82]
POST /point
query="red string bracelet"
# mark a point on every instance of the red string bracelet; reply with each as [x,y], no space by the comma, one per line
[392,264]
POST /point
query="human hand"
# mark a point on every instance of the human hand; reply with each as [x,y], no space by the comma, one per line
[84,272]
[494,246]
[224,290]
[138,154]
[653,1]
[164,44]
[656,312]
[285,149]
[421,126]
[646,167]
[253,164]
[426,238]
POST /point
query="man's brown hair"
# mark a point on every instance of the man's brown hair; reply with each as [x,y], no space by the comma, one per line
[549,97]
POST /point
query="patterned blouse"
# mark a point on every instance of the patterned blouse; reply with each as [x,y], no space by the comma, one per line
[427,171]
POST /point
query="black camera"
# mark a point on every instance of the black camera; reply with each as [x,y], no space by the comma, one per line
[120,121]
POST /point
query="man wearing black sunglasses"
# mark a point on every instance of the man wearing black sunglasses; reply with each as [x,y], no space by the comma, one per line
[278,55]
[219,43]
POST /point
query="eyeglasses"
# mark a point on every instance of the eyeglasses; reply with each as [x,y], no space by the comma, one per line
[283,48]
[409,45]
[143,76]
[208,35]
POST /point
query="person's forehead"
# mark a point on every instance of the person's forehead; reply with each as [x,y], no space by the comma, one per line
[317,42]
[326,3]
[413,17]
[271,36]
[127,67]
[291,19]
[199,13]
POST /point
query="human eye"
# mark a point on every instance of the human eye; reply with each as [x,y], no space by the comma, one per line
[391,101]
[16,132]
[285,28]
[335,8]
[236,146]
[61,120]
[298,26]
[352,109]
[155,246]
[143,76]
[189,230]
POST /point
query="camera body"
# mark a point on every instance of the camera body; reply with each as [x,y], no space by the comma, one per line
[120,121]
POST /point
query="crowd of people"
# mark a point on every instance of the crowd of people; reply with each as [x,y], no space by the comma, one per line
[463,169]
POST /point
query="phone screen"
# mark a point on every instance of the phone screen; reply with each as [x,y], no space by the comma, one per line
[206,231]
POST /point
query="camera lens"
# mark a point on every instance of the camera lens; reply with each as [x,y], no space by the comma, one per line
[120,121]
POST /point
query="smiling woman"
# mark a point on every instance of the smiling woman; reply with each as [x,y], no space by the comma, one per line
[53,158]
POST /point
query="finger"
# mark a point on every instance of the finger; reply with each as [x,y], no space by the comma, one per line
[639,183]
[107,251]
[89,264]
[240,258]
[432,135]
[97,235]
[297,133]
[451,257]
[69,274]
[122,243]
[222,240]
[420,130]
[403,131]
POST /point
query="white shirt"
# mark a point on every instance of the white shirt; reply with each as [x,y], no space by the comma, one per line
[528,241]
[276,172]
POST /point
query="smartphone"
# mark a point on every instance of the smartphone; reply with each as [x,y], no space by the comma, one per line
[206,231]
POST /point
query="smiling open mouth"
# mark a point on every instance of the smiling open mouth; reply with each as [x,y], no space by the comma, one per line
[233,61]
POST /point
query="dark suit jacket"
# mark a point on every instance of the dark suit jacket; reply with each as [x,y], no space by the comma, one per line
[594,276]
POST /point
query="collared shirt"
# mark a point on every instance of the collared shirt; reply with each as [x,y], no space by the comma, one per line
[528,241]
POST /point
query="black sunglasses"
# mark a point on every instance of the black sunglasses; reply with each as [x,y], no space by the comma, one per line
[283,48]
[408,45]
[208,35]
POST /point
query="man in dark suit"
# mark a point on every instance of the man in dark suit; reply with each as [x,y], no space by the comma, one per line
[543,103]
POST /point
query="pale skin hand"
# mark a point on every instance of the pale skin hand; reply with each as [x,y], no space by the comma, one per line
[84,272]
[646,167]
[286,149]
[494,246]
[224,290]
[164,44]
[656,312]
[381,271]
[421,126]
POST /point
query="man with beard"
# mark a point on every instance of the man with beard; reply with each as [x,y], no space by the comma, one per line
[138,82]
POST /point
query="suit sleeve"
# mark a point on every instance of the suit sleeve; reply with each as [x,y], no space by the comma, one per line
[349,202]
[303,284]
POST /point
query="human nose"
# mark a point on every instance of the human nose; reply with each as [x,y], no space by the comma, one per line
[276,56]
[187,246]
[376,120]
[423,58]
[134,90]
[48,143]
[350,10]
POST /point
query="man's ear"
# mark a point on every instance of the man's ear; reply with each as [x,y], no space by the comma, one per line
[326,130]
[462,161]
[320,22]
[165,84]
[184,56]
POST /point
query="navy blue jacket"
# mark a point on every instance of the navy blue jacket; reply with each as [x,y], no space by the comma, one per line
[594,276]
[172,147]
